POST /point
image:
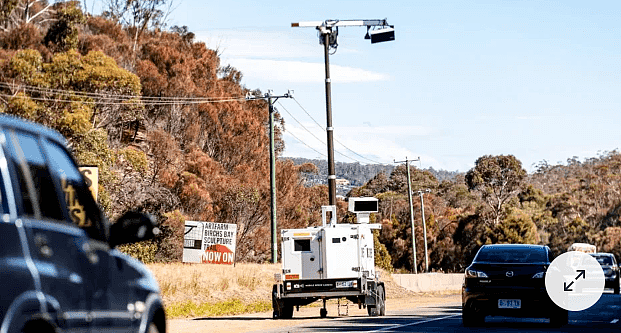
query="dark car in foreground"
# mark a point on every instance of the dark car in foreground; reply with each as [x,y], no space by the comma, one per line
[59,269]
[509,280]
[610,268]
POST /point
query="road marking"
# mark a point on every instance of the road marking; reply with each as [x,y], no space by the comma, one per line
[614,321]
[412,324]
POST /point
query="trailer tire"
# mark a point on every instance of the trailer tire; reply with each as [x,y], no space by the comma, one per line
[287,310]
[381,301]
[282,308]
[372,310]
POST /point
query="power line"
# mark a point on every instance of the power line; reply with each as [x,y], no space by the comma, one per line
[301,107]
[101,95]
[304,143]
[111,99]
[351,158]
[126,102]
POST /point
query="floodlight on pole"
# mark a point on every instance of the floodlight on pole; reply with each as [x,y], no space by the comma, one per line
[328,32]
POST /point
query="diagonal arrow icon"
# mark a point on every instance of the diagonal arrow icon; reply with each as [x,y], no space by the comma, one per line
[566,286]
[581,272]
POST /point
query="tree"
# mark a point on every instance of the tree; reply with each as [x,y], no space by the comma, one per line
[139,15]
[63,34]
[496,179]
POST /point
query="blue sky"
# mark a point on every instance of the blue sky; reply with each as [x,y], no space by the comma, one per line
[536,79]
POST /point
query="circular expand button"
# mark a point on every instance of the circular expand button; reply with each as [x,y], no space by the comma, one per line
[575,281]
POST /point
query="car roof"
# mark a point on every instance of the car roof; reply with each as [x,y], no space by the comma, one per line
[602,254]
[7,120]
[514,246]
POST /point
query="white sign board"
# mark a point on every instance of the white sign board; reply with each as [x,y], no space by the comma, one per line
[209,242]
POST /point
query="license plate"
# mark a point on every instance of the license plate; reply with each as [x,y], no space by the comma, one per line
[509,304]
[344,284]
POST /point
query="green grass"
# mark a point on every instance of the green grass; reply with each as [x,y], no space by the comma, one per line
[224,308]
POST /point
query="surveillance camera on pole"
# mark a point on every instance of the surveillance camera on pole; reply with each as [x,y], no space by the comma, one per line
[377,31]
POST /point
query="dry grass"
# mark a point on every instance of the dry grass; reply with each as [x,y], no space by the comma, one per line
[212,284]
[191,290]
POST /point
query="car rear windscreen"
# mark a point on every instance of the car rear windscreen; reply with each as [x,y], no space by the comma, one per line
[603,260]
[511,255]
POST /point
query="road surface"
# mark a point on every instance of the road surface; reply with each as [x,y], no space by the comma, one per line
[441,314]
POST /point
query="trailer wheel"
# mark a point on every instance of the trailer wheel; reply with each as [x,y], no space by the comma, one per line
[381,300]
[282,308]
[287,310]
[372,310]
[323,313]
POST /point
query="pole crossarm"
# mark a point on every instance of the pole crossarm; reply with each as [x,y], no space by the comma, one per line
[340,23]
[268,95]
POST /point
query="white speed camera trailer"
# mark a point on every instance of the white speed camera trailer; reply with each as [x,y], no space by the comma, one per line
[330,261]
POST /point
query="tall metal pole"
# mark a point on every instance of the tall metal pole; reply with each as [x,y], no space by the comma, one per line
[422,211]
[273,182]
[407,168]
[329,129]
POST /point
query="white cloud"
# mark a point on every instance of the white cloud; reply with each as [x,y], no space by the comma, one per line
[266,55]
[528,117]
[259,44]
[376,144]
[252,43]
[301,72]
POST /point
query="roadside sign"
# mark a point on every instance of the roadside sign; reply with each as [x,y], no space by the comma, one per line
[209,242]
[91,175]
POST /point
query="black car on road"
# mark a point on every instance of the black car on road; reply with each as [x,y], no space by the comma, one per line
[59,269]
[610,268]
[509,280]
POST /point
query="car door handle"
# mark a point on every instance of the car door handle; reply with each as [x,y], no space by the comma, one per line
[42,244]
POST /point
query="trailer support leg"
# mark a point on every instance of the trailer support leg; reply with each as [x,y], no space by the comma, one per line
[323,312]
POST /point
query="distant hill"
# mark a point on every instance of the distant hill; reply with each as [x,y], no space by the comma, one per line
[358,174]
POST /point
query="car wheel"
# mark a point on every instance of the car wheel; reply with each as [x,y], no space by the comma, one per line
[559,318]
[616,286]
[471,318]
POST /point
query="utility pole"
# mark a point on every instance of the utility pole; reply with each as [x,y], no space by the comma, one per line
[271,100]
[422,211]
[407,167]
[328,32]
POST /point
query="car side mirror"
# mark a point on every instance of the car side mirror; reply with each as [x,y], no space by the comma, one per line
[133,227]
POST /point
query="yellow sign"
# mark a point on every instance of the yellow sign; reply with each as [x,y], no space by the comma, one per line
[76,210]
[91,174]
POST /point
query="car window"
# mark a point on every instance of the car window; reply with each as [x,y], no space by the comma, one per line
[513,255]
[81,207]
[603,260]
[38,193]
